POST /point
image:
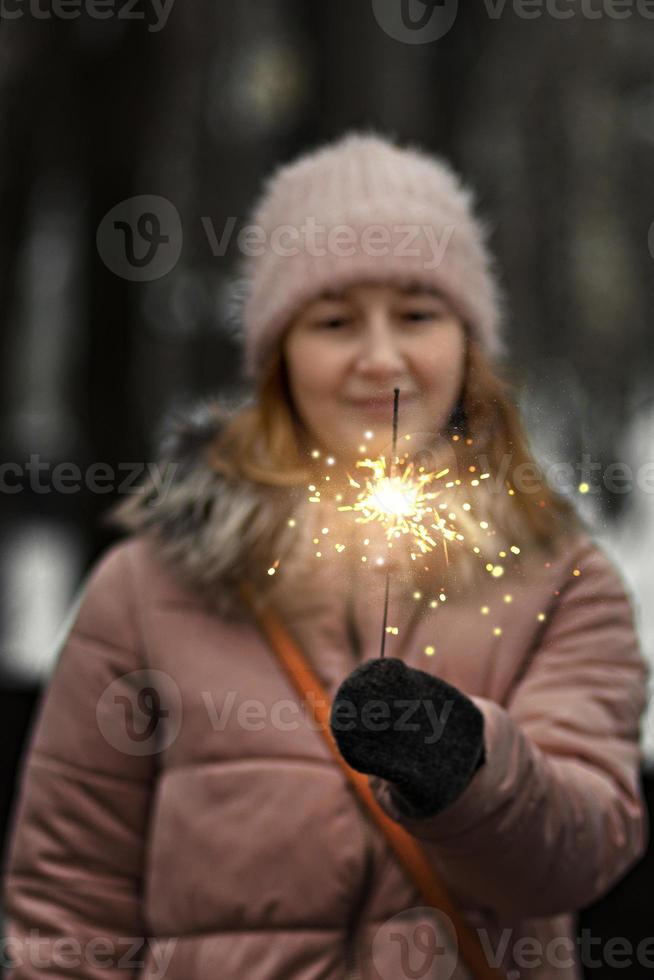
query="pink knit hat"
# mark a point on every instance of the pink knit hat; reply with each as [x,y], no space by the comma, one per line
[364,209]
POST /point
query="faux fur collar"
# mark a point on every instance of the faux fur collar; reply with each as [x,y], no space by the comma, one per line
[210,528]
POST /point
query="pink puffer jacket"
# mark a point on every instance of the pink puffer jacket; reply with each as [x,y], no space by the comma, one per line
[179,814]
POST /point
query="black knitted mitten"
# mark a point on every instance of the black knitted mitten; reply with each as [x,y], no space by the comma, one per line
[413,729]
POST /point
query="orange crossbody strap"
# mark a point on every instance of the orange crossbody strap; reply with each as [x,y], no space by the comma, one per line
[405,846]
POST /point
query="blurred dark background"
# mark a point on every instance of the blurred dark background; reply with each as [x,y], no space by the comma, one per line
[550,118]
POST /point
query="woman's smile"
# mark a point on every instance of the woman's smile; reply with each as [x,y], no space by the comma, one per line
[379,407]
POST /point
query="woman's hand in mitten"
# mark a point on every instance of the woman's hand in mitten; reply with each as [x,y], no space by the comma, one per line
[413,729]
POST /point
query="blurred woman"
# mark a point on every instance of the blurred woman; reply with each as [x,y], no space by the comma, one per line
[178,801]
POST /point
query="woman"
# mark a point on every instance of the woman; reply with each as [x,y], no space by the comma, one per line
[178,803]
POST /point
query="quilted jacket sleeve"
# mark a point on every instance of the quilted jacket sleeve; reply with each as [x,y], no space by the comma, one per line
[73,867]
[556,816]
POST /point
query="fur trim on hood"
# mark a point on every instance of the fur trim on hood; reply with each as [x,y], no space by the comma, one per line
[210,528]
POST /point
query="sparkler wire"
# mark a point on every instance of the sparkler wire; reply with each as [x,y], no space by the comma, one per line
[396,400]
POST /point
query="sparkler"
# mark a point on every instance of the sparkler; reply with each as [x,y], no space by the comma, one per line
[401,498]
[401,504]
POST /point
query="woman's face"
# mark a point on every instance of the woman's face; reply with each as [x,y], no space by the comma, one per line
[346,352]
